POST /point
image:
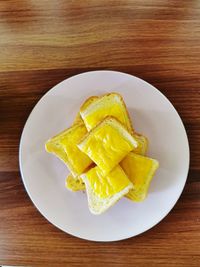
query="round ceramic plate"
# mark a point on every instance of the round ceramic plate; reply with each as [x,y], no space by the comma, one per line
[44,175]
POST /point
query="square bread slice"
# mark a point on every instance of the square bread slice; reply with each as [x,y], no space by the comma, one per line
[64,146]
[105,191]
[108,105]
[107,144]
[140,170]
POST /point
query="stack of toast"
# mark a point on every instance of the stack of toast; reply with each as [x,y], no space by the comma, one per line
[105,155]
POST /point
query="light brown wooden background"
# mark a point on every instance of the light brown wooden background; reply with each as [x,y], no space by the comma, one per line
[43,42]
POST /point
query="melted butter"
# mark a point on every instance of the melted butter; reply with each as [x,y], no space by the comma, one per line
[107,186]
[65,147]
[79,160]
[74,184]
[107,147]
[57,150]
[140,171]
[142,144]
[108,107]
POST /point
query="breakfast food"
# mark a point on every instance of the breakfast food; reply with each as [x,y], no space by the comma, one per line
[107,144]
[140,170]
[142,144]
[108,105]
[104,191]
[64,146]
[87,102]
[105,155]
[74,183]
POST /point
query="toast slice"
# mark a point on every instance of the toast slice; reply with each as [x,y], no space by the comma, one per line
[64,146]
[140,170]
[107,144]
[74,183]
[103,192]
[108,105]
[78,119]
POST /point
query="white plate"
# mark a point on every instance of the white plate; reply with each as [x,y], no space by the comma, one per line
[44,175]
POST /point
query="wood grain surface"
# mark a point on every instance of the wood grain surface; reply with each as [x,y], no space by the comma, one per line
[44,42]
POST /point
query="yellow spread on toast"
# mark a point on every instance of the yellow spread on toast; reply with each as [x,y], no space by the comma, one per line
[140,170]
[108,105]
[64,146]
[102,134]
[106,146]
[105,186]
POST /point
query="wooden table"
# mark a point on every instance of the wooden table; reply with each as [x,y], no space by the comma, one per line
[44,42]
